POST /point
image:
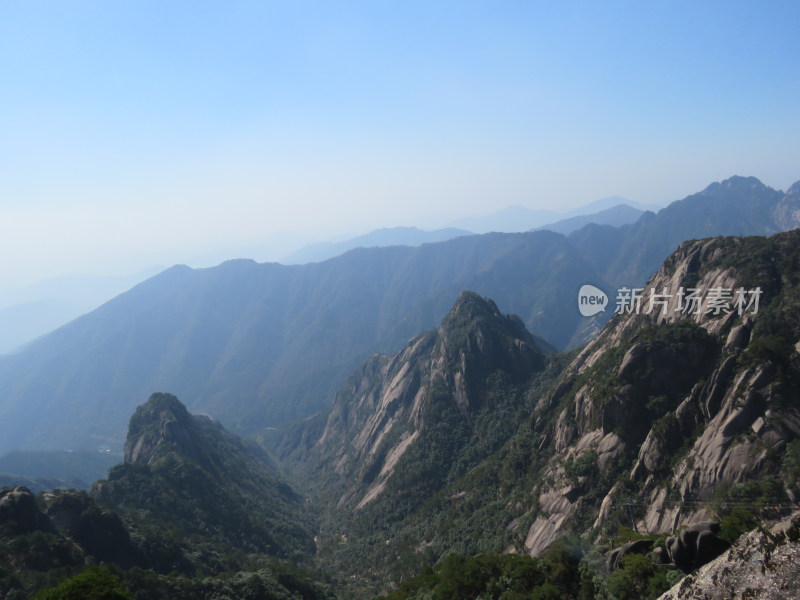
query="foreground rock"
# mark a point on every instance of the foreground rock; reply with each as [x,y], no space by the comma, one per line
[762,564]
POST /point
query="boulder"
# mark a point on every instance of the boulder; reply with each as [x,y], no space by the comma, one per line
[679,553]
[697,545]
[709,547]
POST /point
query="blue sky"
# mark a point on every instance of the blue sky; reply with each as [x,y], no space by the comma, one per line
[137,131]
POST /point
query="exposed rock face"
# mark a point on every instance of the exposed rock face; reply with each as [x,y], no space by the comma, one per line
[698,400]
[384,407]
[786,213]
[761,564]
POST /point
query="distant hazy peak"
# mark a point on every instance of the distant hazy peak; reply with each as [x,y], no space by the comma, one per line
[387,236]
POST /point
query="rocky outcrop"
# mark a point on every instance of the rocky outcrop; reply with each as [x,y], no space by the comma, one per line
[761,564]
[786,213]
[698,400]
[697,545]
[160,426]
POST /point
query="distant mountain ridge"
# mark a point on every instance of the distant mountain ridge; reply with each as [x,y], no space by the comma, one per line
[509,220]
[36,310]
[390,236]
[616,216]
[736,206]
[46,470]
[29,312]
[257,345]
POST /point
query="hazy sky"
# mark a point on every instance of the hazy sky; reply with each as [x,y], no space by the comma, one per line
[134,132]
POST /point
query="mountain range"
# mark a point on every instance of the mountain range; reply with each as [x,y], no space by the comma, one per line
[471,440]
[616,216]
[390,236]
[257,345]
[515,219]
[29,312]
[474,462]
[260,344]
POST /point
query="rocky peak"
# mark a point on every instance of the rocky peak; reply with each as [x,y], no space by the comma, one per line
[392,404]
[188,470]
[787,212]
[159,426]
[480,338]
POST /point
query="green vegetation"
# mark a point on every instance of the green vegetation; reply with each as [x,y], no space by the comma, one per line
[95,583]
[554,575]
[568,569]
[637,579]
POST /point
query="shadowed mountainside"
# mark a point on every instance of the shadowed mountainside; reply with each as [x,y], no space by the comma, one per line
[260,344]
